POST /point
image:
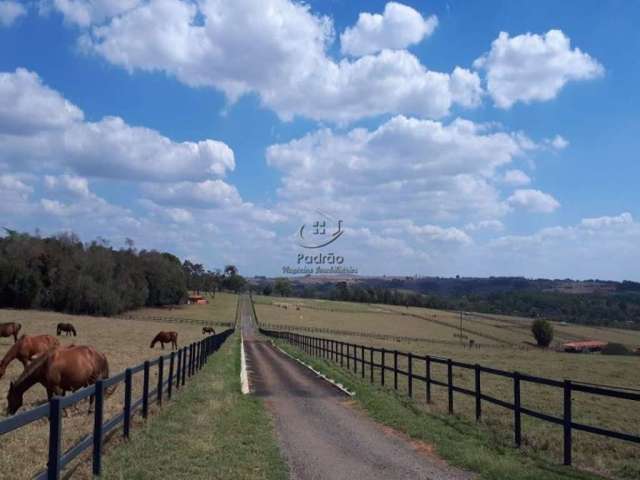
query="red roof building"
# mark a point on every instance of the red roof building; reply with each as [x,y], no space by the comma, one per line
[584,346]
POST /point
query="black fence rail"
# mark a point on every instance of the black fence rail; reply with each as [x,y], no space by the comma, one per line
[361,357]
[193,321]
[380,336]
[181,365]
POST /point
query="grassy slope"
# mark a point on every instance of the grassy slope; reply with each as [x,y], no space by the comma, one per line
[460,442]
[211,431]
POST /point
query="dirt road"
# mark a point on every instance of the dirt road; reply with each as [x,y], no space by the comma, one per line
[320,434]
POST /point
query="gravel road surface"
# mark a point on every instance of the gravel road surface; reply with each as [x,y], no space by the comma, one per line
[321,435]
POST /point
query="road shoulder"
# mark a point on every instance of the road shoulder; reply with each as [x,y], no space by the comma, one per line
[211,431]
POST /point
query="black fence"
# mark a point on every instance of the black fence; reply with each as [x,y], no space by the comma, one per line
[360,357]
[181,365]
[165,319]
[382,336]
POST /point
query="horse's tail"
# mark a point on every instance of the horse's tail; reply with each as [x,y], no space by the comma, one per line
[105,374]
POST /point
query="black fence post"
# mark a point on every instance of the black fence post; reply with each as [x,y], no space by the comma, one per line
[191,358]
[145,390]
[160,378]
[341,354]
[128,377]
[395,369]
[184,365]
[382,368]
[348,356]
[478,393]
[371,360]
[97,427]
[517,425]
[362,355]
[171,362]
[55,438]
[410,375]
[450,384]
[567,422]
[427,366]
[355,358]
[178,370]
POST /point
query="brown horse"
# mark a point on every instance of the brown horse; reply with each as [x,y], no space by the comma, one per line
[10,329]
[28,347]
[60,371]
[210,330]
[67,328]
[166,337]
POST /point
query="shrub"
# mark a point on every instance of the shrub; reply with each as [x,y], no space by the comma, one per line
[543,332]
[616,349]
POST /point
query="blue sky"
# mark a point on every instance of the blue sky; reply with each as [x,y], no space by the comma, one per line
[471,138]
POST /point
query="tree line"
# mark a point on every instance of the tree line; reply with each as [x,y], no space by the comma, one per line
[62,273]
[619,309]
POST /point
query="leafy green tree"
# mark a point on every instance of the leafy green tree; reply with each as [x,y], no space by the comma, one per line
[282,286]
[543,332]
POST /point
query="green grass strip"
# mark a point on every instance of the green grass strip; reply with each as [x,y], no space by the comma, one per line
[460,442]
[210,431]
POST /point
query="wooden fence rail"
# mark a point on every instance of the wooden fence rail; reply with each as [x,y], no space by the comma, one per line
[355,356]
[190,359]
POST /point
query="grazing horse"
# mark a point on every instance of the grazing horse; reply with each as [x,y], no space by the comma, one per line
[60,371]
[166,337]
[210,330]
[26,348]
[10,329]
[67,328]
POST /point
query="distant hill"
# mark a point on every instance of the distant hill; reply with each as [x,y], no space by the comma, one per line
[592,302]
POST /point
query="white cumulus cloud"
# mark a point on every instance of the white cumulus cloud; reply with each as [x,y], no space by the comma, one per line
[10,11]
[532,67]
[399,27]
[87,12]
[277,49]
[533,200]
[40,131]
[405,167]
[516,177]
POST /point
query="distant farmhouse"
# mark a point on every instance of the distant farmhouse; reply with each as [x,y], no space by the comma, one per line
[197,300]
[584,346]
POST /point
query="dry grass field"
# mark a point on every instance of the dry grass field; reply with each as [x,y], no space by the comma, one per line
[611,458]
[125,342]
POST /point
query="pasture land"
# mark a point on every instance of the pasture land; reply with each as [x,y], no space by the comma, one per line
[221,309]
[211,431]
[125,343]
[419,334]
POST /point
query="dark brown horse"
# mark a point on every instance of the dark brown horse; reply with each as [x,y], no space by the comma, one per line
[26,348]
[10,329]
[59,371]
[166,337]
[210,330]
[67,328]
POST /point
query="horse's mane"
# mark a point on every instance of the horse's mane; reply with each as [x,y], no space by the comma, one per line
[32,368]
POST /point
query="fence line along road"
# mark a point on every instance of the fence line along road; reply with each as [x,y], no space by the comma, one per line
[351,356]
[194,321]
[182,364]
[382,336]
